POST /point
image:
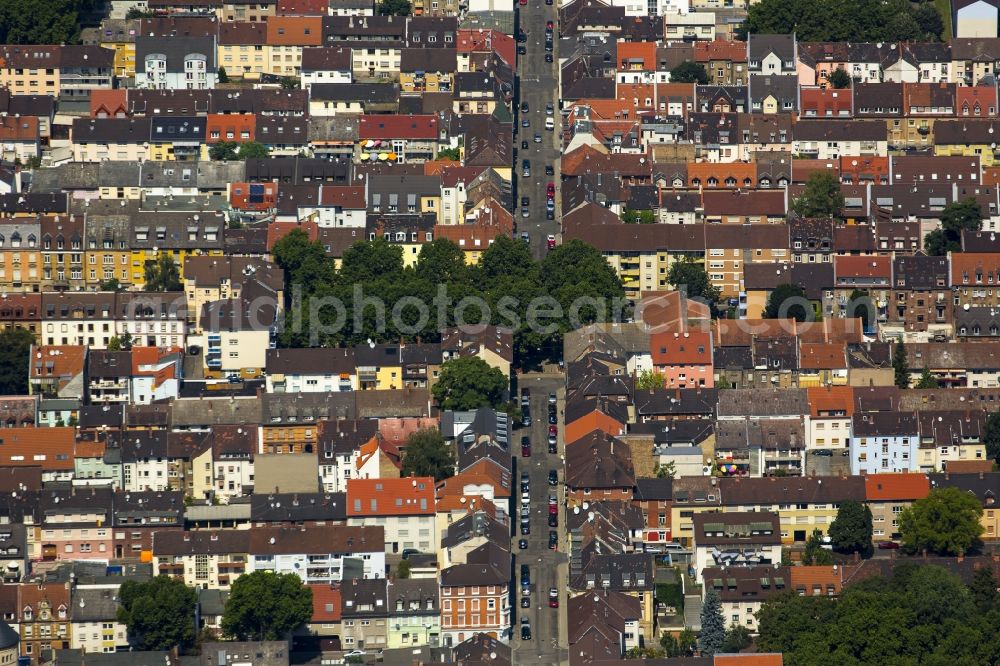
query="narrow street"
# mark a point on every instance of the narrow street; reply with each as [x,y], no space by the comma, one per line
[548,568]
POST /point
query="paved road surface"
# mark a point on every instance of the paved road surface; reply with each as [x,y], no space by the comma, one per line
[547,646]
[538,86]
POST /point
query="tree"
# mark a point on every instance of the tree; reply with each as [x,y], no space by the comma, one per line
[860,305]
[630,216]
[120,343]
[252,150]
[159,613]
[15,357]
[403,569]
[442,262]
[956,217]
[689,72]
[788,301]
[851,531]
[839,79]
[900,366]
[945,522]
[834,20]
[821,197]
[666,471]
[681,646]
[691,278]
[991,436]
[109,285]
[288,83]
[650,379]
[162,274]
[929,19]
[223,77]
[713,625]
[815,553]
[266,606]
[920,615]
[427,454]
[927,380]
[983,589]
[738,638]
[395,8]
[469,382]
[223,151]
[451,154]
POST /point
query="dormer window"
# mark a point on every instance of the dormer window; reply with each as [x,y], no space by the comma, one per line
[27,613]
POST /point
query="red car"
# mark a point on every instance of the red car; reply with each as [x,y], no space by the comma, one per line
[525,450]
[553,430]
[550,190]
[549,25]
[551,240]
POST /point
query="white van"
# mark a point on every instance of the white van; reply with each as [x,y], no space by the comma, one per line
[550,124]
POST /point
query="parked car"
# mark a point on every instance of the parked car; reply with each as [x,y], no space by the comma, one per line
[553,598]
[525,629]
[553,419]
[548,109]
[525,575]
[553,430]
[553,539]
[525,449]
[538,137]
[522,544]
[549,170]
[553,477]
[524,107]
[525,392]
[548,56]
[550,190]
[525,602]
[552,398]
[551,241]
[553,520]
[888,545]
[553,446]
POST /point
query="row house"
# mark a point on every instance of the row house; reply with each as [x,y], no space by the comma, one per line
[404,507]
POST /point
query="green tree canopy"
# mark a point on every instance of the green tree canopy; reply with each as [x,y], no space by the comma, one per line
[395,8]
[252,150]
[15,357]
[650,379]
[835,21]
[469,382]
[713,625]
[266,606]
[111,284]
[927,380]
[223,151]
[159,613]
[851,531]
[815,553]
[442,262]
[738,638]
[839,78]
[689,72]
[452,154]
[427,454]
[958,216]
[630,216]
[929,19]
[42,21]
[900,620]
[991,436]
[163,274]
[691,277]
[223,77]
[796,309]
[821,197]
[946,522]
[900,366]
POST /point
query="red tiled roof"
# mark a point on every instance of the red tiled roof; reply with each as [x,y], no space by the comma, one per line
[868,267]
[278,230]
[411,496]
[692,348]
[398,127]
[344,196]
[822,356]
[326,604]
[882,487]
[829,399]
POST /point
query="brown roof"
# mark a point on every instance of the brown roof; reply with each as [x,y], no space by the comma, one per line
[317,539]
[783,490]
